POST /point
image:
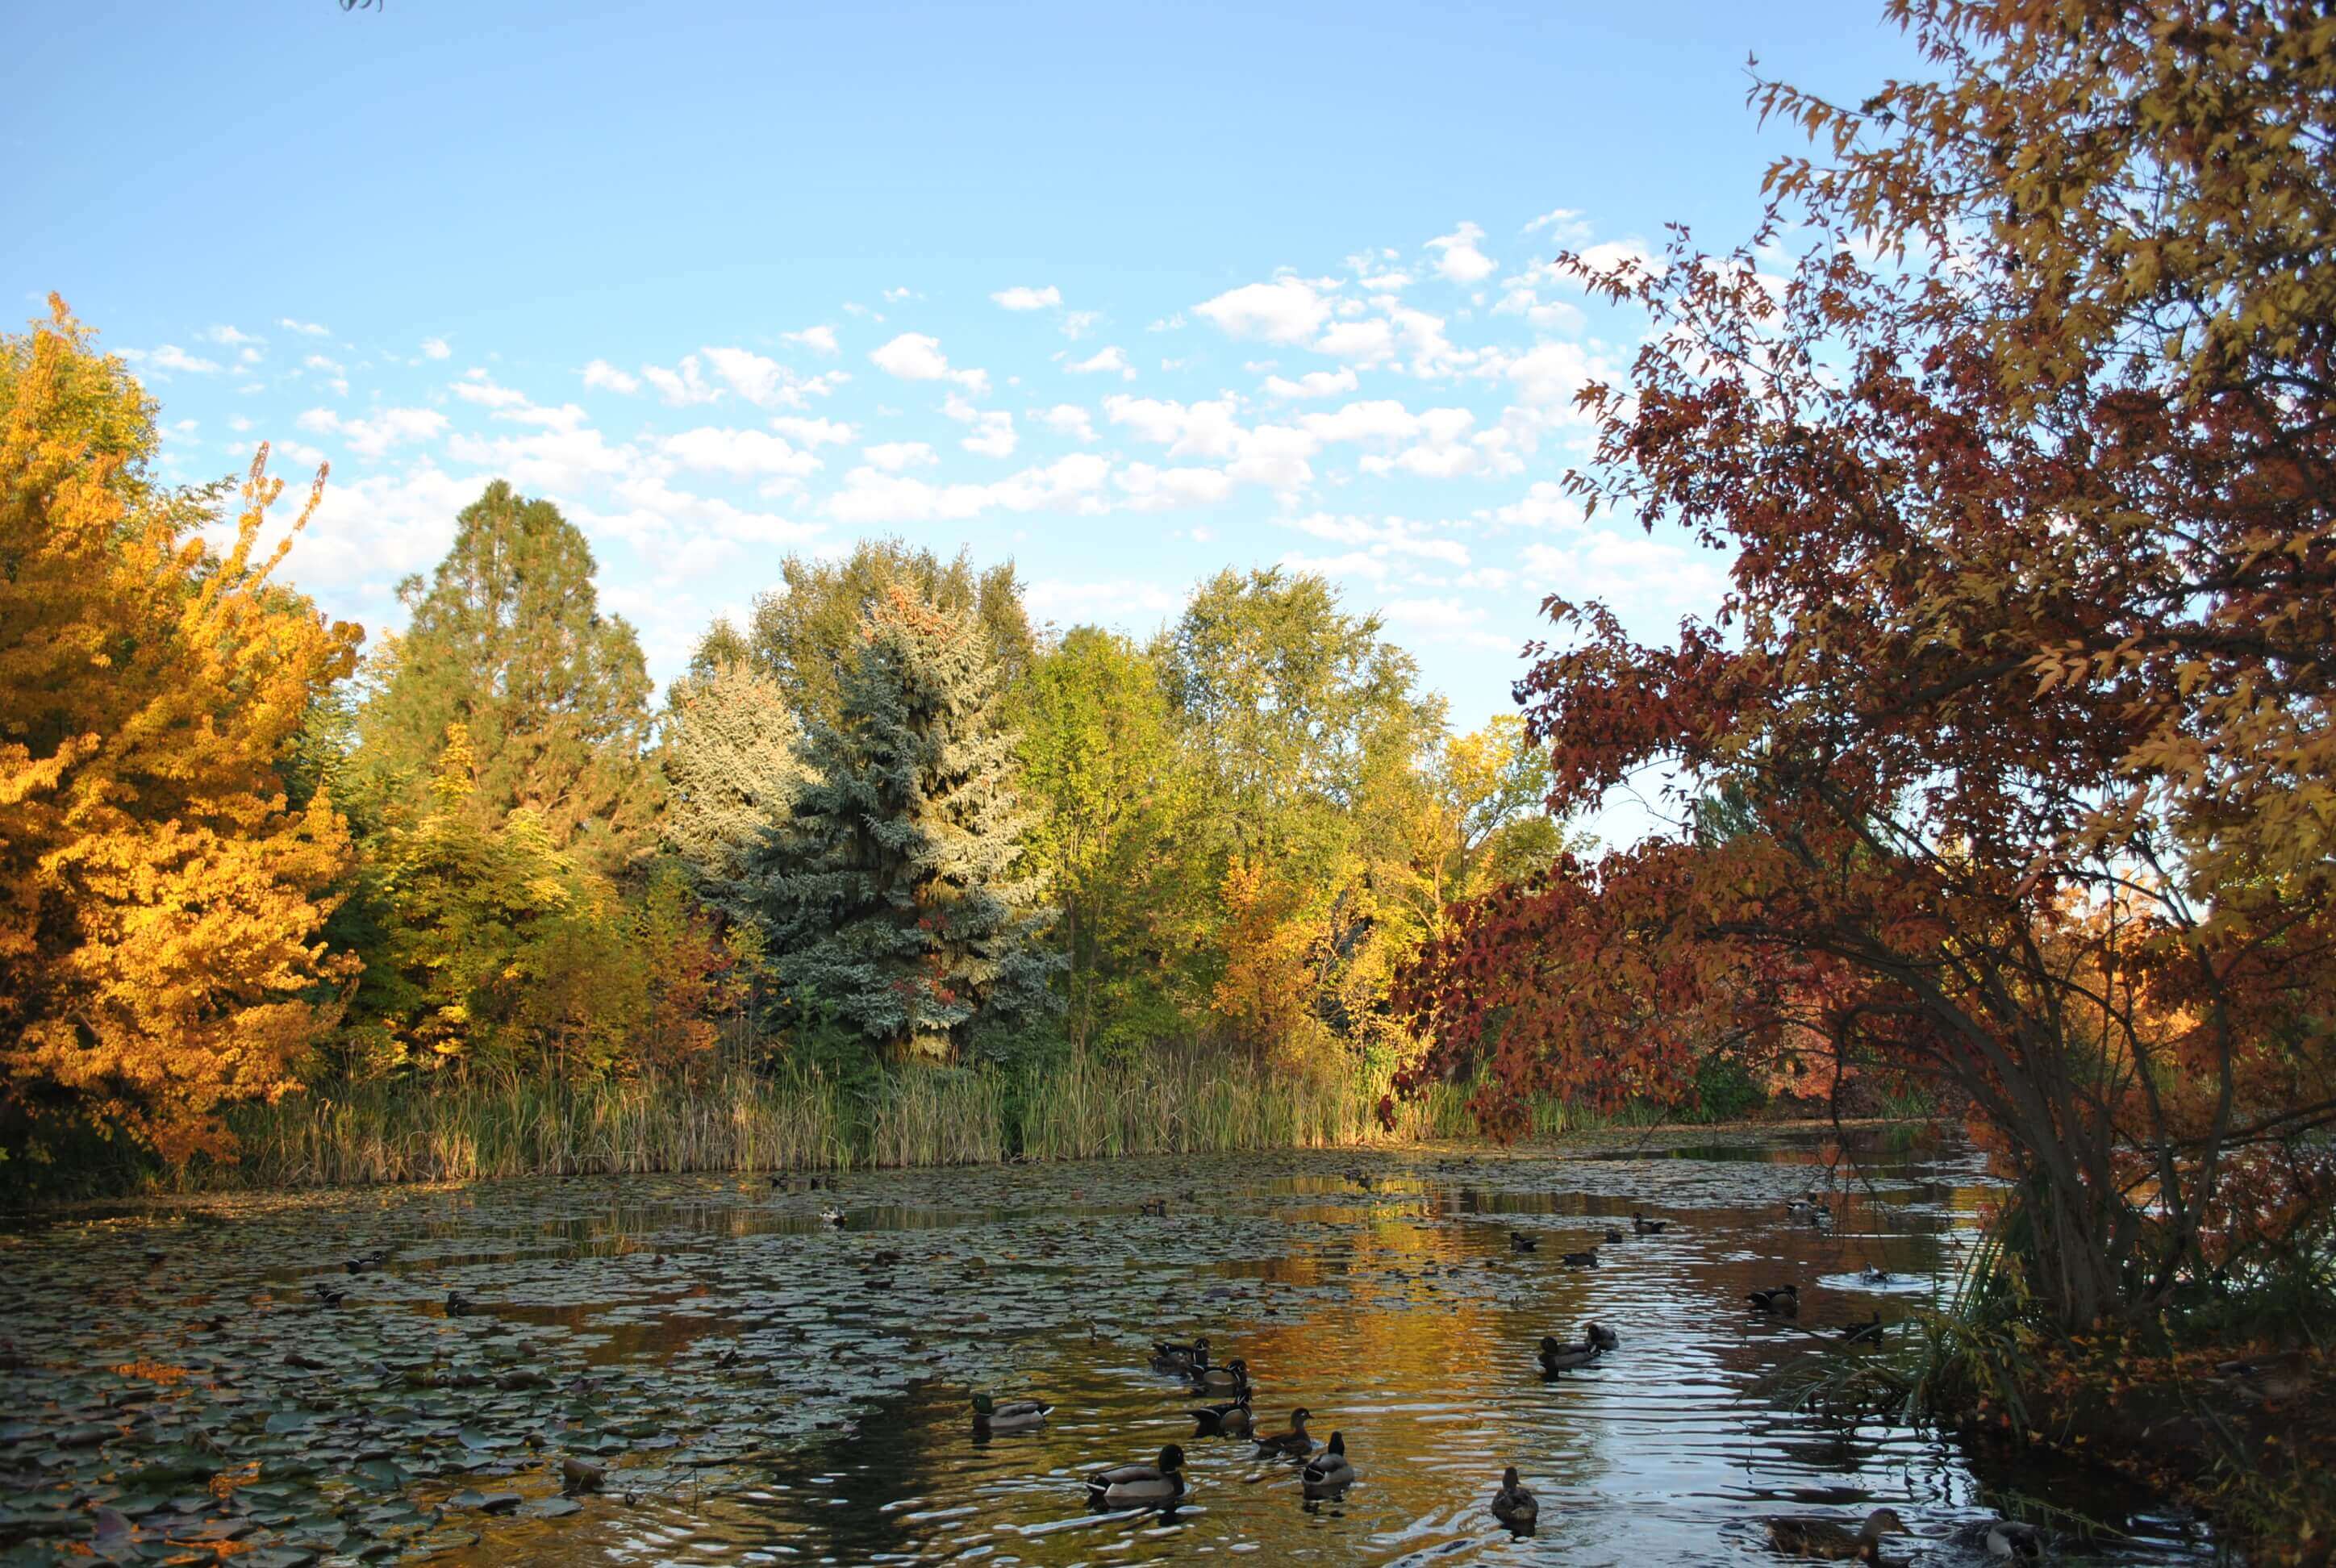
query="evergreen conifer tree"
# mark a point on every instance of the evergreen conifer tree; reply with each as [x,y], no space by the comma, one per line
[892,899]
[509,642]
[728,752]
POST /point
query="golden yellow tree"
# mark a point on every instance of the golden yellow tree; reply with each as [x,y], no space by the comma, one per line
[160,901]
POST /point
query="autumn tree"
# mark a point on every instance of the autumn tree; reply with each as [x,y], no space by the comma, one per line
[894,900]
[507,639]
[161,897]
[727,749]
[2020,696]
[805,633]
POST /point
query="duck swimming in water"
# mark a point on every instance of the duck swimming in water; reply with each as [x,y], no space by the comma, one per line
[1230,1419]
[1331,1472]
[1785,1300]
[1170,1357]
[1513,1505]
[1829,1541]
[1293,1444]
[1010,1415]
[1557,1358]
[1140,1485]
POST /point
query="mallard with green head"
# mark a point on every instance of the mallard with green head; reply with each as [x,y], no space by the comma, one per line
[1293,1444]
[1230,1378]
[1010,1415]
[1831,1541]
[1230,1419]
[1330,1473]
[1513,1505]
[1140,1485]
[1557,1358]
[1646,1227]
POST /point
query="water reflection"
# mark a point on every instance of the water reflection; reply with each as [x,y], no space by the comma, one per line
[1394,1308]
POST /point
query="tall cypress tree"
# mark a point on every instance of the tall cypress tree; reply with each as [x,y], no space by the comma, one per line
[508,641]
[892,898]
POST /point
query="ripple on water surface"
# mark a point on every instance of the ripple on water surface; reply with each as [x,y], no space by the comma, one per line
[762,1386]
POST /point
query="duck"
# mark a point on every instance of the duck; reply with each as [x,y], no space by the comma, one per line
[832,1215]
[1599,1337]
[1330,1472]
[1587,1260]
[1231,1379]
[1874,1277]
[1782,1299]
[1557,1358]
[1140,1485]
[1866,1333]
[1012,1415]
[1156,1207]
[1520,1243]
[1829,1541]
[1646,1227]
[1230,1419]
[2006,1538]
[458,1304]
[1293,1444]
[1513,1505]
[1613,1234]
[1167,1356]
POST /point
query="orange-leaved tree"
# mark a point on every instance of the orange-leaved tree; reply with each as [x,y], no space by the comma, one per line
[2019,418]
[161,903]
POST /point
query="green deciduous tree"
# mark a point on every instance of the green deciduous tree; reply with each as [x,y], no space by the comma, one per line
[894,900]
[508,641]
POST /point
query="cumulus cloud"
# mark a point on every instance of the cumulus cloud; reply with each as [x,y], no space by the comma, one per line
[230,338]
[1287,310]
[306,328]
[1022,297]
[683,384]
[900,456]
[811,432]
[1068,419]
[819,340]
[872,496]
[171,357]
[1103,361]
[372,436]
[602,374]
[744,453]
[436,348]
[1460,261]
[913,357]
[1314,383]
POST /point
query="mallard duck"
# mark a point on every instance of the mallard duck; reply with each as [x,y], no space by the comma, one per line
[1140,1485]
[1230,1419]
[1330,1472]
[1513,1505]
[1874,1277]
[1866,1333]
[1646,1227]
[1613,1234]
[1229,1378]
[1012,1415]
[1557,1358]
[1293,1444]
[458,1304]
[1783,1300]
[1170,1357]
[1830,1540]
[1519,1241]
[1587,1260]
[832,1215]
[1599,1337]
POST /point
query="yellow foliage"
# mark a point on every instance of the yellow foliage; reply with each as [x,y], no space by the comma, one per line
[161,903]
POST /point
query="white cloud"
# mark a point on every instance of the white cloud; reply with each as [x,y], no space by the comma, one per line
[557,460]
[913,357]
[230,338]
[894,296]
[602,374]
[372,436]
[1076,323]
[994,437]
[1363,342]
[1383,537]
[739,452]
[820,339]
[1022,297]
[320,362]
[171,357]
[1314,383]
[1104,360]
[872,496]
[1564,223]
[760,381]
[1053,599]
[1274,456]
[1544,505]
[899,456]
[1461,261]
[436,348]
[306,328]
[681,386]
[477,386]
[1068,419]
[812,432]
[1150,489]
[1287,310]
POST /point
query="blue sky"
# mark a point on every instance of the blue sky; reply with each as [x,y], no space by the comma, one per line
[1126,295]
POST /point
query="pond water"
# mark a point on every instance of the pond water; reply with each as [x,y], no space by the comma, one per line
[759,1386]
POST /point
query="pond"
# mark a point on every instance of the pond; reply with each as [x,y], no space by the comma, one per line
[755,1384]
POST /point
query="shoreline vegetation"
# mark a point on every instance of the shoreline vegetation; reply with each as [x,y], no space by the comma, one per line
[739,1120]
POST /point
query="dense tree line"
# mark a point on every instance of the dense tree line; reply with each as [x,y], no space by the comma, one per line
[886,822]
